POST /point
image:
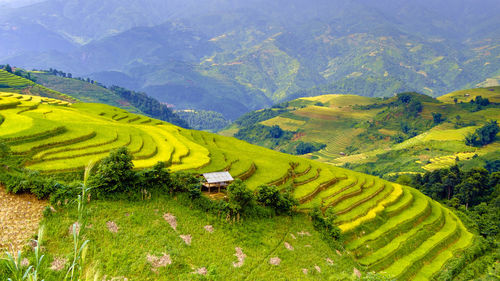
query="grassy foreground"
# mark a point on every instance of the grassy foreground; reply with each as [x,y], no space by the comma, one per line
[142,230]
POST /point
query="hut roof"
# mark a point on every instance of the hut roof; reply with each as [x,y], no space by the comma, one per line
[218,177]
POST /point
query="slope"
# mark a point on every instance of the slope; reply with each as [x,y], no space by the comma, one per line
[59,137]
[405,133]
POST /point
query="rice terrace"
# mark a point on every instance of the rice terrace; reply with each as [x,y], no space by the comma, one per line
[249,140]
[387,227]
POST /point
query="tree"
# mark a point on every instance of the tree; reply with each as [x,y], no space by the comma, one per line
[275,132]
[437,117]
[483,135]
[326,223]
[114,174]
[156,177]
[473,188]
[241,198]
[270,196]
[8,68]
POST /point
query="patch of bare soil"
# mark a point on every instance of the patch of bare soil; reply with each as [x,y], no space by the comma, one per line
[112,227]
[275,261]
[357,272]
[293,236]
[303,233]
[76,227]
[209,228]
[19,218]
[58,264]
[318,269]
[201,271]
[158,261]
[305,271]
[171,220]
[338,252]
[288,246]
[329,261]
[240,256]
[187,239]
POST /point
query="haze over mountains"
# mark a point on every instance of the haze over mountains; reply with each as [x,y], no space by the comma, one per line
[237,56]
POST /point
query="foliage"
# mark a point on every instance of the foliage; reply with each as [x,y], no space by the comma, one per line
[326,223]
[476,189]
[241,199]
[204,119]
[270,196]
[484,135]
[114,174]
[149,106]
[155,178]
[29,181]
[258,133]
[437,117]
[307,147]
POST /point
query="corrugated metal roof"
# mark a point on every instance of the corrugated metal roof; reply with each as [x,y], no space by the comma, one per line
[218,177]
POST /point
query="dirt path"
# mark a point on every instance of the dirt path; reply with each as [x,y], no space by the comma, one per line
[19,219]
[265,260]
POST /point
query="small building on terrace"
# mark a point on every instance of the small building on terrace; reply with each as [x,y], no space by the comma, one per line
[217,180]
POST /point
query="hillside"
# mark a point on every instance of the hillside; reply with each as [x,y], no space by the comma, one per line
[381,136]
[52,84]
[238,56]
[387,227]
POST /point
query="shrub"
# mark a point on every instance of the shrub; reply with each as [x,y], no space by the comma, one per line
[29,181]
[241,199]
[326,223]
[114,174]
[155,178]
[270,196]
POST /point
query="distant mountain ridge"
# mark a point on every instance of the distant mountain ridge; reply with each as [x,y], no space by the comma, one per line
[235,56]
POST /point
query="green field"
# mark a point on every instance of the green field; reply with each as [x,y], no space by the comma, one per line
[373,214]
[142,228]
[358,131]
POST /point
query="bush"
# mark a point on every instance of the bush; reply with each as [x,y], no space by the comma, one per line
[29,181]
[326,224]
[270,196]
[241,199]
[155,178]
[114,174]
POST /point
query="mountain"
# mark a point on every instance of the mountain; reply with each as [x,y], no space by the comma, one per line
[408,133]
[58,138]
[238,56]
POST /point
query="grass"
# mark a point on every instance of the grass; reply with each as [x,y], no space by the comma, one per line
[143,230]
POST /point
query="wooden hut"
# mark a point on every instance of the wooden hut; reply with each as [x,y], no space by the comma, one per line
[217,180]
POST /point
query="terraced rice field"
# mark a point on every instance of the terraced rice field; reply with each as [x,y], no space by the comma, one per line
[8,80]
[389,227]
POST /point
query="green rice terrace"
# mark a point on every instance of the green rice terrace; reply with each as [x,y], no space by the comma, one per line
[408,133]
[388,227]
